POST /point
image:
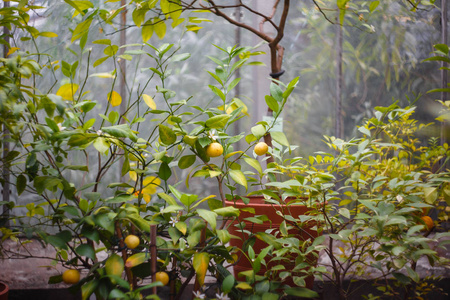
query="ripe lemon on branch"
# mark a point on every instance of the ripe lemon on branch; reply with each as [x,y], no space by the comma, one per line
[71,276]
[132,241]
[214,149]
[261,148]
[162,277]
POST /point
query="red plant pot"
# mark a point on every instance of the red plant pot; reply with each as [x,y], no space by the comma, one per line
[4,289]
[263,208]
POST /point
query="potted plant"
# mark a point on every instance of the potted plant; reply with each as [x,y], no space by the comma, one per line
[111,231]
[373,197]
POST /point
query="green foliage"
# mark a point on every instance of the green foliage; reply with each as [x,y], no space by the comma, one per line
[102,164]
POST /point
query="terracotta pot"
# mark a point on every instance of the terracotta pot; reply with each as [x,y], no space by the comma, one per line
[4,289]
[263,208]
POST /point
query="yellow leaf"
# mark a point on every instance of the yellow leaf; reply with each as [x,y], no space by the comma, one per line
[67,91]
[150,184]
[200,264]
[114,98]
[243,286]
[149,101]
[12,50]
[102,75]
[159,27]
[48,34]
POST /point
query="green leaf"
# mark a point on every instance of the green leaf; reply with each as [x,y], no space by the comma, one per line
[186,161]
[233,84]
[239,177]
[438,58]
[121,131]
[88,288]
[280,138]
[101,144]
[254,163]
[276,92]
[21,184]
[100,61]
[81,29]
[431,194]
[86,250]
[41,183]
[374,5]
[272,103]
[223,235]
[301,292]
[441,47]
[227,284]
[181,226]
[164,171]
[167,198]
[139,222]
[167,135]
[218,92]
[228,211]
[188,199]
[258,131]
[208,216]
[217,121]
[180,57]
[200,264]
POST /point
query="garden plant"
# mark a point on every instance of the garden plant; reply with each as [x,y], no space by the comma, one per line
[110,171]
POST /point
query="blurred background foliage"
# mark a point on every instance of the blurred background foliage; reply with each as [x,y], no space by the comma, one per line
[383,45]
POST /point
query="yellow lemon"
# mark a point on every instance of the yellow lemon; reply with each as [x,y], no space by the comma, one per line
[214,149]
[261,148]
[132,241]
[71,276]
[162,277]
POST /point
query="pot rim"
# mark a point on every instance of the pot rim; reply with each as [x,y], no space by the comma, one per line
[5,290]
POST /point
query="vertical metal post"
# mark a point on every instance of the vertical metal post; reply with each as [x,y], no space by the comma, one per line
[153,255]
[5,131]
[338,105]
[122,62]
[444,72]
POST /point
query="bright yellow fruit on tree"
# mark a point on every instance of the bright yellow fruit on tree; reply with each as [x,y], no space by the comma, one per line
[214,149]
[162,277]
[71,276]
[428,222]
[261,148]
[132,241]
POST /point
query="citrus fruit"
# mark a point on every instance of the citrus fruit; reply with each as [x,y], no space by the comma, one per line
[132,241]
[428,222]
[261,148]
[71,276]
[162,277]
[114,265]
[214,149]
